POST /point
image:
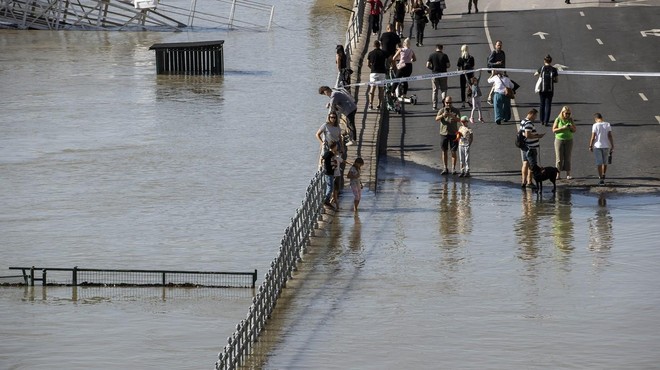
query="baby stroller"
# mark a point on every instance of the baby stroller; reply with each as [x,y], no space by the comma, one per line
[391,101]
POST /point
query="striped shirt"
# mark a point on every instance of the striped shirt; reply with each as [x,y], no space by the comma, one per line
[527,125]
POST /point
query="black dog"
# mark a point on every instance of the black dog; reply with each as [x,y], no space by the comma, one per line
[545,173]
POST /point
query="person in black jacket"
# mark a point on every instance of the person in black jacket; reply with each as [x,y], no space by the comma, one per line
[546,88]
[465,63]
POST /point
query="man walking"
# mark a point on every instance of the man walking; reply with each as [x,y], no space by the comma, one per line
[602,145]
[438,62]
[342,102]
[449,118]
[389,42]
[377,62]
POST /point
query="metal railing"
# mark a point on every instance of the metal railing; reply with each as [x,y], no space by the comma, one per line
[292,247]
[133,15]
[147,278]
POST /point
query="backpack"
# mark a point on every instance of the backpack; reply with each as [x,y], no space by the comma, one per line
[521,141]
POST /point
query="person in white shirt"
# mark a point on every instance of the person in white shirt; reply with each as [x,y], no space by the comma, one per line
[501,102]
[602,145]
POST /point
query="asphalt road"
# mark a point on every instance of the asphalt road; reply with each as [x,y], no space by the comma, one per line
[589,36]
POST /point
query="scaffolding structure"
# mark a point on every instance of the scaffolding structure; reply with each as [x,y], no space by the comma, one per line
[132,15]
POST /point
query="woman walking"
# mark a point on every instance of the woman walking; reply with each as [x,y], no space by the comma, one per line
[419,15]
[405,56]
[563,128]
[546,88]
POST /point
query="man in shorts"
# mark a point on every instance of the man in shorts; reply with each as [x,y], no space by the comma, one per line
[448,117]
[377,62]
[602,145]
[530,153]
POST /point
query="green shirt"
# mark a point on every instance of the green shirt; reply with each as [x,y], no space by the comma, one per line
[566,134]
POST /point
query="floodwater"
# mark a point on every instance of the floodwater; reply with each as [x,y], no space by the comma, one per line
[105,164]
[441,274]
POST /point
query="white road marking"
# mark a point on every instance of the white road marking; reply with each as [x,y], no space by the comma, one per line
[581,14]
[599,41]
[612,58]
[641,95]
[627,77]
[657,118]
[588,26]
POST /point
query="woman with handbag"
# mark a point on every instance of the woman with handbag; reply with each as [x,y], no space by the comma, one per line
[465,63]
[502,94]
[545,86]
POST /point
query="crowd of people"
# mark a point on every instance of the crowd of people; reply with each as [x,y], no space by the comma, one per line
[392,56]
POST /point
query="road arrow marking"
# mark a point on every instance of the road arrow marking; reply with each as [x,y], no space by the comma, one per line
[540,34]
[560,67]
[653,32]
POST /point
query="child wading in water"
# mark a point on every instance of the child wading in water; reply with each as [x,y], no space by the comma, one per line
[356,184]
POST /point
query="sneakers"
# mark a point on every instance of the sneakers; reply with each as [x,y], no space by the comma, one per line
[454,172]
[462,174]
[482,120]
[371,107]
[350,143]
[490,102]
[444,172]
[471,120]
[467,174]
[435,107]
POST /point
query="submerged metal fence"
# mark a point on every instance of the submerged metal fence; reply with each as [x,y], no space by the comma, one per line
[106,277]
[293,244]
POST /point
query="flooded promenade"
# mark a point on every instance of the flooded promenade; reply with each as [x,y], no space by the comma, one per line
[443,272]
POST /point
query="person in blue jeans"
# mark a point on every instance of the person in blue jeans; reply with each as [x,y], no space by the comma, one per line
[329,164]
[546,88]
[501,102]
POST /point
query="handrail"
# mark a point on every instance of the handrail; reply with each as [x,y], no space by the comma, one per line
[292,247]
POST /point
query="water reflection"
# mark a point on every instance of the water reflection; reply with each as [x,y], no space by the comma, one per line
[526,228]
[94,295]
[601,235]
[562,222]
[355,243]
